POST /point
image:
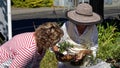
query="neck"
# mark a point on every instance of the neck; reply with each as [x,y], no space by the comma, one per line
[40,50]
[81,28]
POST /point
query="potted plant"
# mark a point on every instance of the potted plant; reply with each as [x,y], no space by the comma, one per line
[72,51]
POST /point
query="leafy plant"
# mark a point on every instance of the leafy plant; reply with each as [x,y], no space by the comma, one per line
[64,45]
[49,60]
[108,44]
[32,3]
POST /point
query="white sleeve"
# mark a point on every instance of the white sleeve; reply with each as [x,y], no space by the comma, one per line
[94,49]
[95,40]
[65,34]
[95,35]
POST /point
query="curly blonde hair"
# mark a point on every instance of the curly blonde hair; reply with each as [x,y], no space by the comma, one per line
[48,34]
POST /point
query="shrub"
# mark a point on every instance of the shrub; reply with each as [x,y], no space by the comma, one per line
[108,43]
[49,60]
[32,3]
[18,3]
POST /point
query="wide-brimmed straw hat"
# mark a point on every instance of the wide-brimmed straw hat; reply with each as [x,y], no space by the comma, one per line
[83,14]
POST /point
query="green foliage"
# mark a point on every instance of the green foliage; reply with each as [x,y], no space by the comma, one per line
[32,3]
[49,60]
[64,45]
[108,43]
[106,35]
[18,3]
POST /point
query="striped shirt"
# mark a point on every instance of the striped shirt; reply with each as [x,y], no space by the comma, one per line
[22,50]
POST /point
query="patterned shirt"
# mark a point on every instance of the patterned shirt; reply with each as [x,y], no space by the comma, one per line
[22,50]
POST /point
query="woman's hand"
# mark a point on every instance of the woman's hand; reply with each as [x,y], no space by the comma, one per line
[82,54]
[61,57]
[57,53]
[55,48]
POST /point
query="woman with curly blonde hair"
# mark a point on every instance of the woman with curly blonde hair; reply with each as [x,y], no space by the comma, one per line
[26,50]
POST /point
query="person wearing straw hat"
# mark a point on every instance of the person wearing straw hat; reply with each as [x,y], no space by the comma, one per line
[79,30]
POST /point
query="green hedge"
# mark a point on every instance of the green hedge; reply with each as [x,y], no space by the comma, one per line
[109,42]
[32,3]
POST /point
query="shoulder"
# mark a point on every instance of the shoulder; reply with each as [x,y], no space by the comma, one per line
[64,25]
[24,34]
[94,27]
[25,39]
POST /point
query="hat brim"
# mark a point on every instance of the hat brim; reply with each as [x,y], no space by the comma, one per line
[82,19]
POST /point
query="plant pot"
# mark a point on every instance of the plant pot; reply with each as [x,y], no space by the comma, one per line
[64,58]
[115,63]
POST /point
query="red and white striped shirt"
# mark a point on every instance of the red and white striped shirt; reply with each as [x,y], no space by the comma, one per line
[22,49]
